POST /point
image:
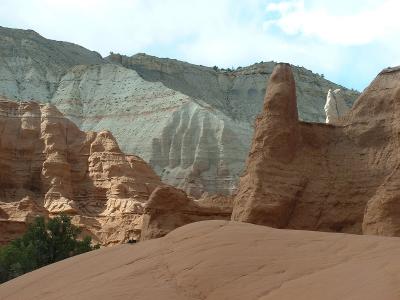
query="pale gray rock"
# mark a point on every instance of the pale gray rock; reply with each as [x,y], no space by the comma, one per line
[31,65]
[191,144]
[335,106]
[238,93]
[194,124]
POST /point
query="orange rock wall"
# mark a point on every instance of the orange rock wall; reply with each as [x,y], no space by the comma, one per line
[48,166]
[309,176]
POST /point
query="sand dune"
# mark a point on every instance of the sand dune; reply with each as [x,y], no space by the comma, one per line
[224,260]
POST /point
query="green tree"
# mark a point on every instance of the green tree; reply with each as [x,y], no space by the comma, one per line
[43,243]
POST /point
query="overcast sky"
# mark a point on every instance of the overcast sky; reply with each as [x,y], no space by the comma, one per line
[349,41]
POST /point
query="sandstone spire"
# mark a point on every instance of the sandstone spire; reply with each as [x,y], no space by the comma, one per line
[277,127]
[342,178]
[274,146]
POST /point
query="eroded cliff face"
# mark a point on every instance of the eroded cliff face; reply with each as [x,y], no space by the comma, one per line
[191,144]
[193,124]
[49,166]
[321,177]
[237,93]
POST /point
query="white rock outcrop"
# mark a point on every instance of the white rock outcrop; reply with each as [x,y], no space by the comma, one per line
[189,143]
[335,106]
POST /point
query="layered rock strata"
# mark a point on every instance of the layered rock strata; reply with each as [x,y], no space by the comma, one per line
[322,177]
[48,166]
[195,141]
[237,93]
[193,124]
[193,146]
[31,66]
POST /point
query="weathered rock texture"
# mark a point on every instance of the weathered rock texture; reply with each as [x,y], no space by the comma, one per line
[218,260]
[31,66]
[48,166]
[169,208]
[321,177]
[193,124]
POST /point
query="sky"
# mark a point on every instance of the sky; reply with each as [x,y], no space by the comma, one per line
[349,41]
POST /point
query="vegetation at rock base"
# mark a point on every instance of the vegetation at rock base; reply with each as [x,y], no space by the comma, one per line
[43,243]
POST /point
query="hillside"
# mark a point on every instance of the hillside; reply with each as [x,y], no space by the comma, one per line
[193,124]
[31,66]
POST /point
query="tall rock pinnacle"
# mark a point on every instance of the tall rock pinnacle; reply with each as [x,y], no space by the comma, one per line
[276,138]
[342,177]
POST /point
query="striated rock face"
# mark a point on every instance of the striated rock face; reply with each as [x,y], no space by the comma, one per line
[48,166]
[31,66]
[217,260]
[232,99]
[322,177]
[169,208]
[193,124]
[237,93]
[192,146]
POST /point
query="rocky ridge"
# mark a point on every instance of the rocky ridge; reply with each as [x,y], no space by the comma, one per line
[49,166]
[193,124]
[31,66]
[237,93]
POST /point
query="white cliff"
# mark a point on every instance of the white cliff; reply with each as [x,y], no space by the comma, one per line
[193,124]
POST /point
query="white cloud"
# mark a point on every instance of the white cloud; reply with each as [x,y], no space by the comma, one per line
[374,21]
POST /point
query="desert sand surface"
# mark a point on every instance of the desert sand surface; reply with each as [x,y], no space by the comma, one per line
[224,260]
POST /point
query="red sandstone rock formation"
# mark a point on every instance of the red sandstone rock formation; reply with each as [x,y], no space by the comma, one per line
[48,166]
[169,208]
[340,178]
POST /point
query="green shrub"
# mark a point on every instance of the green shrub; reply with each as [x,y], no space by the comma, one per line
[42,244]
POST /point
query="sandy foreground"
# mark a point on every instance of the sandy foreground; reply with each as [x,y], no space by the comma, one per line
[224,260]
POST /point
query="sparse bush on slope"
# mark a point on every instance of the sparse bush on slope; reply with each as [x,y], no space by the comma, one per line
[43,243]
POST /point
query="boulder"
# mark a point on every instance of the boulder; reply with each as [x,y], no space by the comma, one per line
[169,208]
